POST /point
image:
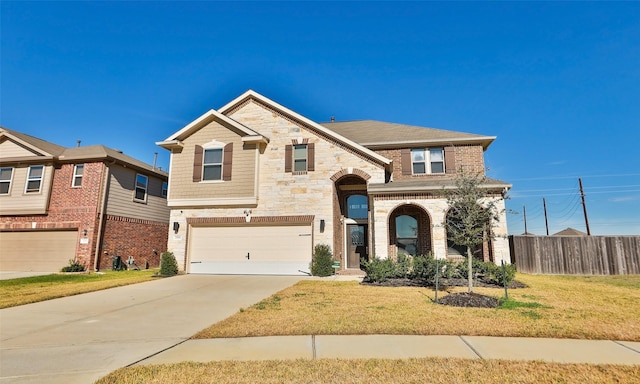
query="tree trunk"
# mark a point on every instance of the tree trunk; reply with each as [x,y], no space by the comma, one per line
[470,276]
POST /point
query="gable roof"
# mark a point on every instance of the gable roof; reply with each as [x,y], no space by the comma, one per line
[379,134]
[35,144]
[310,124]
[206,118]
[54,152]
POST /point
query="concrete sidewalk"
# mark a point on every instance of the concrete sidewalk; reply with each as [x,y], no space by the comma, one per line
[401,347]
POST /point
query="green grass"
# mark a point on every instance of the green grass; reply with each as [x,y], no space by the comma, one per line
[33,289]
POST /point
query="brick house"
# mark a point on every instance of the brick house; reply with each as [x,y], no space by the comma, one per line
[84,203]
[254,186]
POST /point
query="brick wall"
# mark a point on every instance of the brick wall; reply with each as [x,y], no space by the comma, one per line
[133,237]
[469,157]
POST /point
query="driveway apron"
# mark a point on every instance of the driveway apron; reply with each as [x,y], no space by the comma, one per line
[81,338]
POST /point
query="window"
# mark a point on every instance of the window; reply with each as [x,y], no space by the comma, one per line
[425,161]
[407,234]
[165,188]
[212,164]
[141,188]
[300,158]
[77,175]
[34,179]
[357,207]
[5,180]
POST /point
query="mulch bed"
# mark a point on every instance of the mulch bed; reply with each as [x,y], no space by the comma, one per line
[464,299]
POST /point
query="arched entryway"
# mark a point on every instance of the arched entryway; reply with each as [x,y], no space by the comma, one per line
[351,215]
[409,231]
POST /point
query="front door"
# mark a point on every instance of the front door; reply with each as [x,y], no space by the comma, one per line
[356,245]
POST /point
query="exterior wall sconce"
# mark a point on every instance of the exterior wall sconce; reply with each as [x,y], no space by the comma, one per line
[84,232]
[321,225]
[176,227]
[247,215]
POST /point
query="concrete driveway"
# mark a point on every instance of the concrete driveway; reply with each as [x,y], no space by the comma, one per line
[81,338]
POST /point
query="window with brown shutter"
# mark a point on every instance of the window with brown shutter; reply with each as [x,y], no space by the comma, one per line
[197,163]
[226,162]
[311,154]
[450,160]
[299,158]
[288,156]
[405,154]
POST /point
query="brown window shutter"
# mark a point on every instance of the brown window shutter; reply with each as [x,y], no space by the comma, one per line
[311,154]
[406,161]
[197,164]
[288,156]
[450,159]
[227,155]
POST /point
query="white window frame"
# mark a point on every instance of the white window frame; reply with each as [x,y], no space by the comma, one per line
[77,176]
[427,161]
[30,178]
[9,181]
[165,189]
[144,188]
[299,160]
[205,164]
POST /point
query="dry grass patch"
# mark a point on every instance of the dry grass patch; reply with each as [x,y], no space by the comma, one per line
[552,306]
[40,288]
[433,370]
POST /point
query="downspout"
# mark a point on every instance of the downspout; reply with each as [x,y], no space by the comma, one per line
[103,209]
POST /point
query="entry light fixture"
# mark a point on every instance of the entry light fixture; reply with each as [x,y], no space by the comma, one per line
[84,232]
[247,215]
[321,225]
[176,227]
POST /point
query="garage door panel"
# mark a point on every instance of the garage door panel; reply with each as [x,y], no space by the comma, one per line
[37,251]
[250,250]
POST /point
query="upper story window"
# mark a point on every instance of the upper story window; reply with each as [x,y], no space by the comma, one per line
[6,175]
[78,170]
[34,179]
[425,161]
[299,158]
[212,162]
[142,183]
[165,189]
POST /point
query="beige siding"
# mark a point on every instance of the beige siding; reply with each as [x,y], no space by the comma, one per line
[242,183]
[120,196]
[17,202]
[10,149]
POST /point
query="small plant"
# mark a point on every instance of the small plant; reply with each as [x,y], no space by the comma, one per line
[379,270]
[322,262]
[74,266]
[168,264]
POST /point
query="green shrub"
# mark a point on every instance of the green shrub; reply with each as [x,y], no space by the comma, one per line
[74,266]
[505,276]
[403,266]
[168,264]
[322,261]
[379,270]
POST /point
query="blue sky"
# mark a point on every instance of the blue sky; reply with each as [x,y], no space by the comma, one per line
[557,83]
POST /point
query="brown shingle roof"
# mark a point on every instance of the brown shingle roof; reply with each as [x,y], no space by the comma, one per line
[379,134]
[45,146]
[570,232]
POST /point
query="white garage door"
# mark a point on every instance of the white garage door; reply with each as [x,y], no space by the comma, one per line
[37,251]
[262,250]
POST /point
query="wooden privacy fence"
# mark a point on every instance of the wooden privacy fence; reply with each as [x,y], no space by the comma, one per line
[576,255]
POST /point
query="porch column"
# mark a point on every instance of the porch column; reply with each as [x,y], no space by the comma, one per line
[439,233]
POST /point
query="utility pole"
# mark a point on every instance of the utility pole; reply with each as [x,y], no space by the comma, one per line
[584,207]
[546,221]
[524,210]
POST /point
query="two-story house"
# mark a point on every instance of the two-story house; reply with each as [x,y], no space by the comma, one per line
[84,203]
[254,186]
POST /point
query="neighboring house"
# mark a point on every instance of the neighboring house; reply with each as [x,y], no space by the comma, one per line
[570,232]
[254,186]
[83,203]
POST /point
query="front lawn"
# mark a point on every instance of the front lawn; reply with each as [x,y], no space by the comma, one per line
[552,306]
[39,288]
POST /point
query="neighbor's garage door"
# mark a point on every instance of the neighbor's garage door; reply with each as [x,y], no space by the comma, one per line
[37,251]
[262,250]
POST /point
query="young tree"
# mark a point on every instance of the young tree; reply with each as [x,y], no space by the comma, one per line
[471,215]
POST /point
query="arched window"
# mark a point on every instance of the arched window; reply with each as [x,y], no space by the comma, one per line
[357,207]
[407,235]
